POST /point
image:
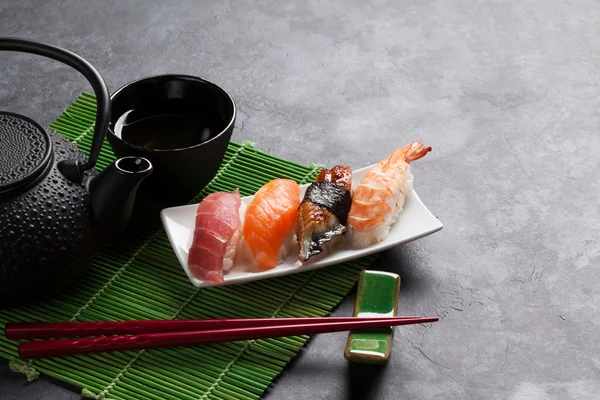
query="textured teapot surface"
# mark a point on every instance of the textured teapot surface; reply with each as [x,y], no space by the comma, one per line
[25,149]
[46,224]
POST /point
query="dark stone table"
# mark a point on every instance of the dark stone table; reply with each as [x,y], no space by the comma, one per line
[506,93]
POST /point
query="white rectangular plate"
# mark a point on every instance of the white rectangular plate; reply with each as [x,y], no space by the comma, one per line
[414,222]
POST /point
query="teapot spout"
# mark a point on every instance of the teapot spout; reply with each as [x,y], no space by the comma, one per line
[113,193]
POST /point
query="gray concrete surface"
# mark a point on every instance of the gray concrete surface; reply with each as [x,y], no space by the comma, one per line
[506,93]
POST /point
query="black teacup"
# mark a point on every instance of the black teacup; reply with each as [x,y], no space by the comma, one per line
[182,124]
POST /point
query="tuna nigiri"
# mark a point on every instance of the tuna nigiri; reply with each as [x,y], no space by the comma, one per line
[216,235]
[269,222]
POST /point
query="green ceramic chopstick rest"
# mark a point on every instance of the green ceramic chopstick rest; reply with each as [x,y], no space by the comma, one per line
[377,296]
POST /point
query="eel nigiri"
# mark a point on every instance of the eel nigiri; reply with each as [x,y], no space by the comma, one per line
[323,213]
[380,195]
[269,222]
[216,235]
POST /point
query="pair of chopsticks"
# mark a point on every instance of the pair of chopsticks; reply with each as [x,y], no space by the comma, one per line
[148,334]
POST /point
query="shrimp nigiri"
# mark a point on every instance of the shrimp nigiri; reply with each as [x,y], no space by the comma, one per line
[269,220]
[217,234]
[380,195]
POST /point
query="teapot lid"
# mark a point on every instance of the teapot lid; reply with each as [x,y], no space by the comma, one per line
[26,151]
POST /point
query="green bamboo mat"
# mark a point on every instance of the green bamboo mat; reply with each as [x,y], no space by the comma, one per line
[140,278]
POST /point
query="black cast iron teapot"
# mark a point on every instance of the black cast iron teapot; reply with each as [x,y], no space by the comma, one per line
[56,210]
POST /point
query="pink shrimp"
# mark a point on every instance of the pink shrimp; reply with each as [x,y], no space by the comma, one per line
[380,195]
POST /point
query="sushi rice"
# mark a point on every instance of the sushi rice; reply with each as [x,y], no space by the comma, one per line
[234,243]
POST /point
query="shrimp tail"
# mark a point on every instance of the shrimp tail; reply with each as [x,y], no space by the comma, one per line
[414,151]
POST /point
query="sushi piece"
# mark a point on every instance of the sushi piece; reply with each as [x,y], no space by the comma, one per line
[380,195]
[323,213]
[269,222]
[217,233]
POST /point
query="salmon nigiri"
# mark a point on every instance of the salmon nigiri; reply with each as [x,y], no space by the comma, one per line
[269,222]
[216,235]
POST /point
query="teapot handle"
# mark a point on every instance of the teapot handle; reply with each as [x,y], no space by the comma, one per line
[72,169]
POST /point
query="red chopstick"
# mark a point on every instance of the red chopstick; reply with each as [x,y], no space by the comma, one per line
[45,330]
[68,347]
